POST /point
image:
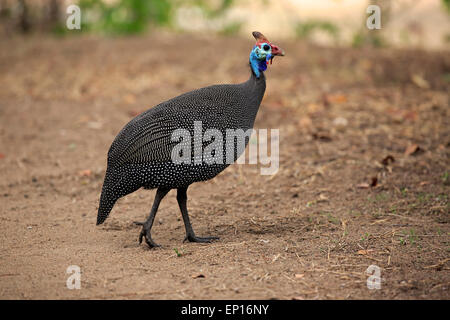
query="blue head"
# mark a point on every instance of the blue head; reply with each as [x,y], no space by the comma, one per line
[262,53]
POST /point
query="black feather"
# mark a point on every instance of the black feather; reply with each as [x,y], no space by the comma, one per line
[140,155]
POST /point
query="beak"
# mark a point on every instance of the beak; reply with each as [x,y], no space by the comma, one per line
[277,51]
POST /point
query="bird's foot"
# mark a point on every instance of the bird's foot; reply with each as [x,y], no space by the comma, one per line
[194,238]
[145,233]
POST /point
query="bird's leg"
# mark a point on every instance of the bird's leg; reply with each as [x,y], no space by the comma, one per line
[147,225]
[190,235]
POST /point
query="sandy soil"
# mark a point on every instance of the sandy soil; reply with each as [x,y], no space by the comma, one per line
[308,232]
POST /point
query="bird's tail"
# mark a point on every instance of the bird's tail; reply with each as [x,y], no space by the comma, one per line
[107,201]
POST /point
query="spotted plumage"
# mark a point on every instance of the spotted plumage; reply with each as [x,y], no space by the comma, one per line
[141,154]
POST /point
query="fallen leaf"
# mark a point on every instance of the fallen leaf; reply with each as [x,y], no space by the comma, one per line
[419,81]
[321,137]
[298,298]
[423,183]
[387,160]
[373,181]
[337,98]
[85,173]
[299,275]
[363,185]
[198,275]
[412,149]
[365,252]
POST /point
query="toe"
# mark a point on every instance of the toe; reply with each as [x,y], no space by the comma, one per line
[200,239]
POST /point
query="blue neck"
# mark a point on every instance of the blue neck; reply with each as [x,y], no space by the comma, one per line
[257,64]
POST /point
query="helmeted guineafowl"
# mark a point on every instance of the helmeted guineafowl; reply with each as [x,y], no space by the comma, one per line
[143,153]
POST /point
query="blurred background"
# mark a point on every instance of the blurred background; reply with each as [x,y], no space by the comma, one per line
[405,23]
[364,123]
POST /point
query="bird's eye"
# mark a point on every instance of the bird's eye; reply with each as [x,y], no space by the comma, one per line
[266,47]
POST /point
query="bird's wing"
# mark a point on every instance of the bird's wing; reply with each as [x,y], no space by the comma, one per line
[148,137]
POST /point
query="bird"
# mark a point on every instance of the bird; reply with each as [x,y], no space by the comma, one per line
[145,153]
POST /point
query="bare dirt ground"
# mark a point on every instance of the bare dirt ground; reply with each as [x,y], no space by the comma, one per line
[338,204]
